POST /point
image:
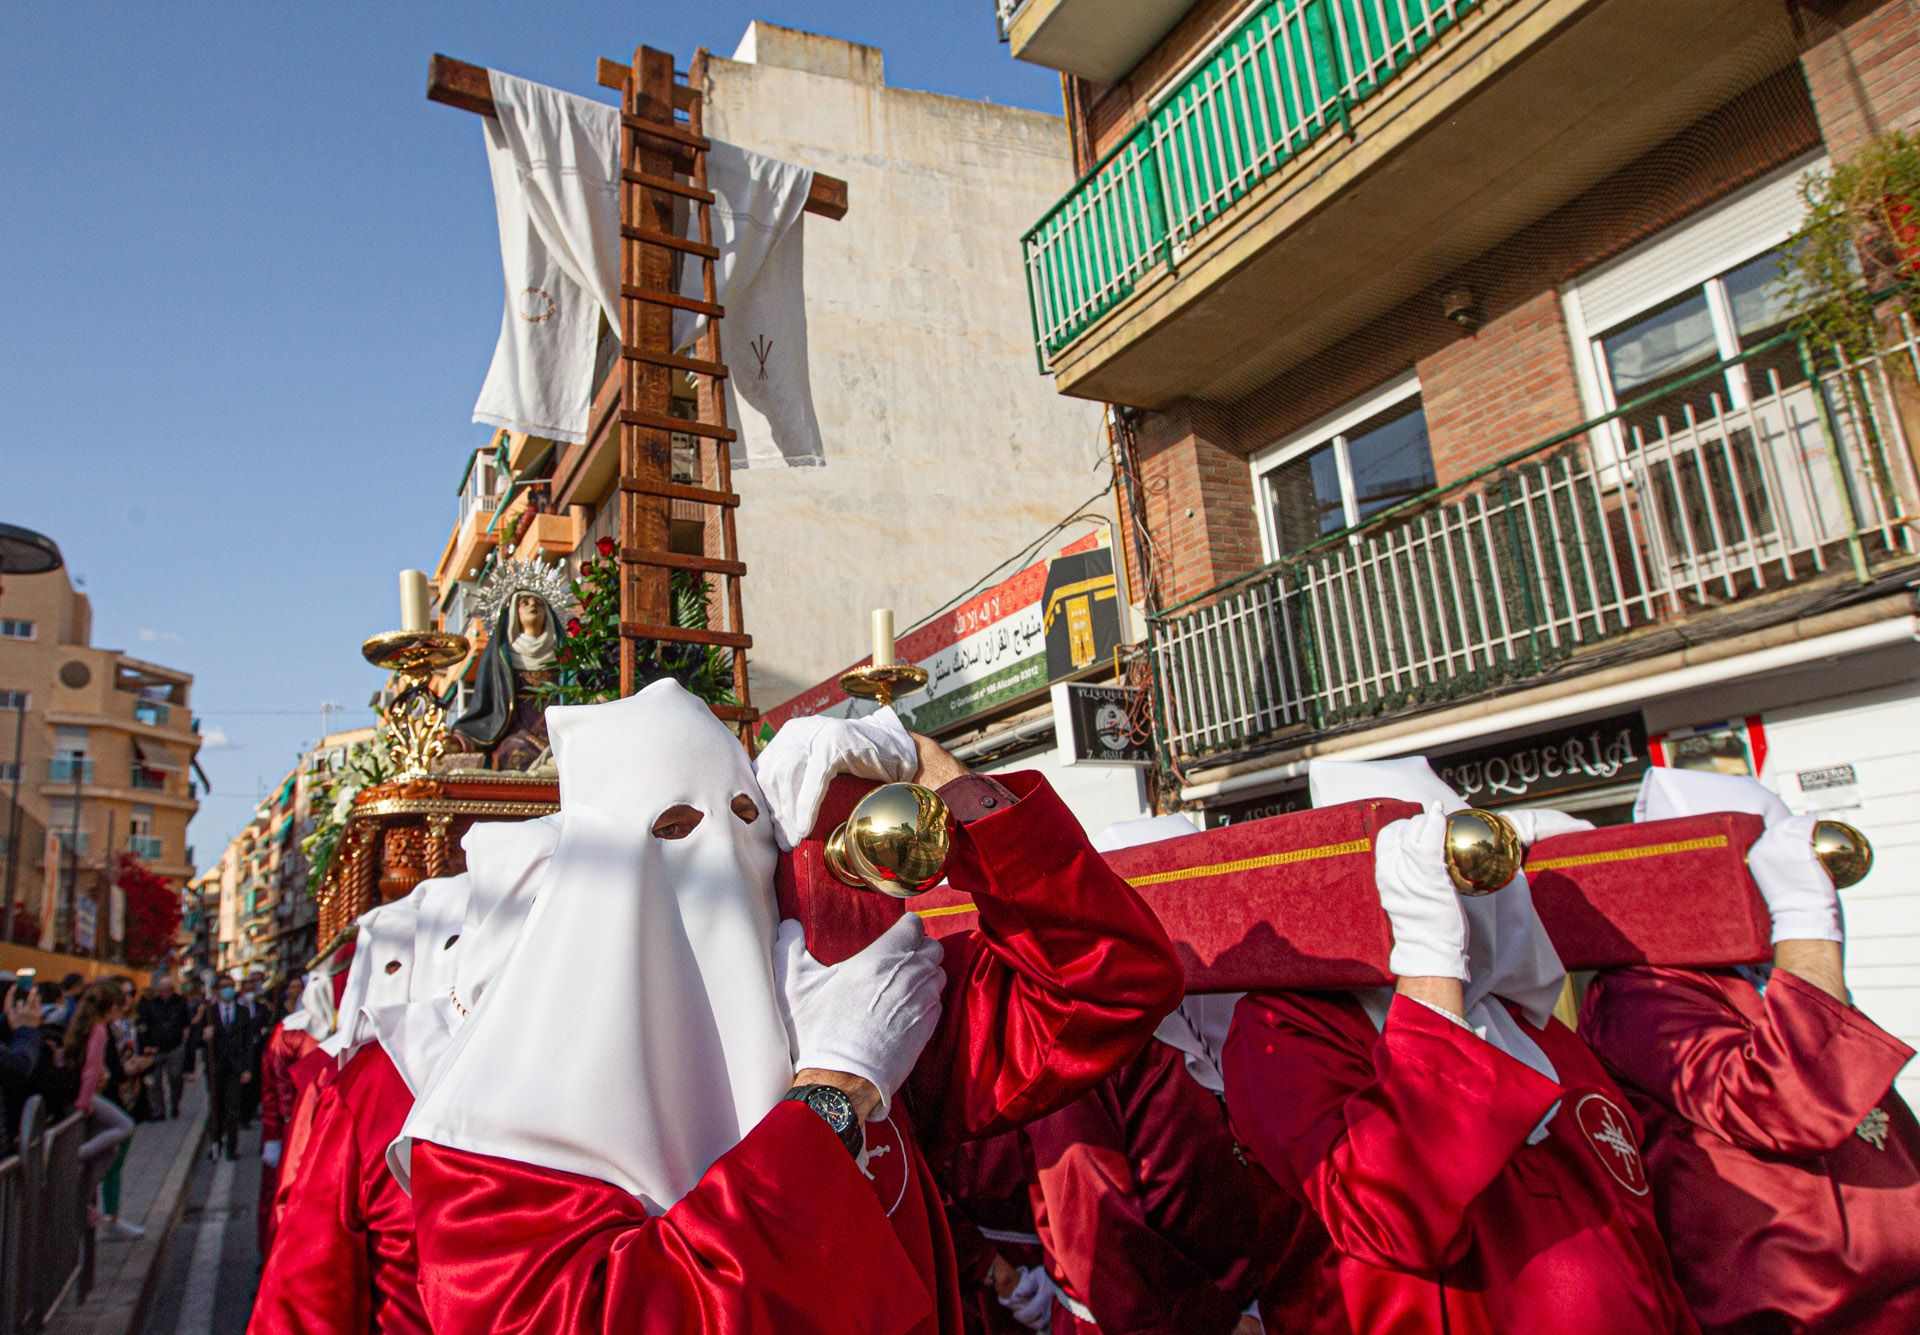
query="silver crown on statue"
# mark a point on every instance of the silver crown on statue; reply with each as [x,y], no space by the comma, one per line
[508,579]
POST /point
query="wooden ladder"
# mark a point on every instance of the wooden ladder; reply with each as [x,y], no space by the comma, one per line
[663,165]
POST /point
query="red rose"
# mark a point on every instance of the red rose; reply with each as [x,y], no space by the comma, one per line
[604,546]
[573,626]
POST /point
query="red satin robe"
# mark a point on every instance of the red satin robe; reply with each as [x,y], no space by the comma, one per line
[1148,1217]
[348,1263]
[1781,1217]
[278,1094]
[1064,980]
[989,1213]
[1409,1146]
[313,1075]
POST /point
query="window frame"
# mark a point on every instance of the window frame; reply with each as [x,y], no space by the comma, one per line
[1333,429]
[10,629]
[1750,222]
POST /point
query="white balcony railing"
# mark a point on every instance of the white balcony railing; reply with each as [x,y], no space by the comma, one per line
[1567,546]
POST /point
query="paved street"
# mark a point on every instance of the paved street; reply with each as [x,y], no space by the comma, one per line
[206,1280]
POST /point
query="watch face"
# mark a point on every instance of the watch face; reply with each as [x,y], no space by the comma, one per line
[834,1105]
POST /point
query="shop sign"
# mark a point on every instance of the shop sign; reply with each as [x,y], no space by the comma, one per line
[1056,618]
[1566,760]
[1282,803]
[1828,788]
[1095,725]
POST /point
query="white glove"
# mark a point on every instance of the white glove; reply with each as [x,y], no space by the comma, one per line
[1429,924]
[807,753]
[1798,891]
[1031,1301]
[867,1016]
[1544,824]
[270,1153]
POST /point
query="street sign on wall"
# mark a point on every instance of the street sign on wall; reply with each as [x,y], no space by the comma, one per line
[1094,725]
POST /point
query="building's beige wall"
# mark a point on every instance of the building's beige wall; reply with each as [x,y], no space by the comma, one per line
[946,451]
[63,623]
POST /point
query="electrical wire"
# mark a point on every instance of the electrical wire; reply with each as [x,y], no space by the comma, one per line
[1080,512]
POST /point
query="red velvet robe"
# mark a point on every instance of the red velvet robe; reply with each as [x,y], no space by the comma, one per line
[1409,1146]
[1772,1203]
[984,1184]
[1064,980]
[1148,1216]
[278,1095]
[348,1262]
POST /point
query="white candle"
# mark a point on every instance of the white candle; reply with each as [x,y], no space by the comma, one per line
[413,600]
[883,637]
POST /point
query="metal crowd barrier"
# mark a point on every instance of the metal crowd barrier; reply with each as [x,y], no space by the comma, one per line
[46,1248]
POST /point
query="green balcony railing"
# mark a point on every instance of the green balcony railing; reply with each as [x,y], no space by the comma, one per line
[1284,78]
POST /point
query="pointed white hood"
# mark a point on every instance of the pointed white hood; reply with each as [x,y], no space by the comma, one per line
[379,975]
[635,1032]
[314,1014]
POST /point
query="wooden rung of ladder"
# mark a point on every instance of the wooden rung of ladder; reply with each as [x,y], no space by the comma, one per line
[671,242]
[673,134]
[679,491]
[614,74]
[675,300]
[685,425]
[706,565]
[735,713]
[691,365]
[724,639]
[668,184]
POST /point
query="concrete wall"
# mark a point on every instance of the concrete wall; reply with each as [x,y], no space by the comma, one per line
[947,452]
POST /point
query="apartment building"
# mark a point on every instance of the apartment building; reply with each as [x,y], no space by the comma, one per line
[1464,407]
[944,452]
[96,760]
[258,913]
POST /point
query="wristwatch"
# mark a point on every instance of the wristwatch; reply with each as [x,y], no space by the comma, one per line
[836,1110]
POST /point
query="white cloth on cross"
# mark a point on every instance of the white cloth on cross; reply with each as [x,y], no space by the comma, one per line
[758,228]
[554,159]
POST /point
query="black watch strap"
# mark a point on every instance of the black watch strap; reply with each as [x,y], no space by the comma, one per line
[836,1110]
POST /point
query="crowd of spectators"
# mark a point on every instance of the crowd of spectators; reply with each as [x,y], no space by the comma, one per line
[122,1057]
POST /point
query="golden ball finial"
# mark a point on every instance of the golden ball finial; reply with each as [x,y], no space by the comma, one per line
[1843,851]
[895,841]
[1483,851]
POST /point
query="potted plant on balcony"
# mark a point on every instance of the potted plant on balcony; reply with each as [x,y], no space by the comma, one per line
[1855,263]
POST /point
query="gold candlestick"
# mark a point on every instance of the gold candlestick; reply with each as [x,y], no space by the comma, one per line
[880,684]
[415,723]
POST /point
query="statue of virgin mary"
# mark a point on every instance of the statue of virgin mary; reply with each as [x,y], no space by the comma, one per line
[504,717]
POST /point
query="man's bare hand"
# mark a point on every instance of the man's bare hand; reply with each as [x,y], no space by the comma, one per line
[23,1012]
[860,1092]
[937,765]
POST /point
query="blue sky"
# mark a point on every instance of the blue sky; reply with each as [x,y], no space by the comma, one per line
[252,285]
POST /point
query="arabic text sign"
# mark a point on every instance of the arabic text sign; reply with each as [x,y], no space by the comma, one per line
[989,650]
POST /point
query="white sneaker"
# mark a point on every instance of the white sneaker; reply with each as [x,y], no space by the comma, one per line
[119,1230]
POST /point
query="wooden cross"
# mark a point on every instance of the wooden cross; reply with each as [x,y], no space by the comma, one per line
[663,160]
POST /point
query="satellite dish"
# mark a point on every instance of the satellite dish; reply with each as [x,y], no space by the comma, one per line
[24,552]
